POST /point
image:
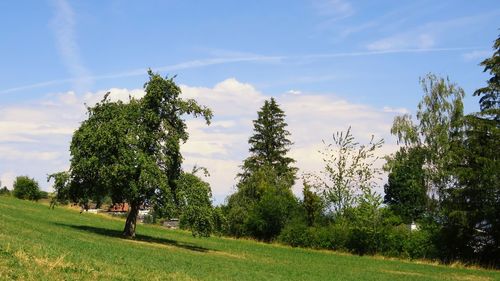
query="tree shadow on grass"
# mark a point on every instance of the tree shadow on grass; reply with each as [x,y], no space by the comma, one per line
[139,237]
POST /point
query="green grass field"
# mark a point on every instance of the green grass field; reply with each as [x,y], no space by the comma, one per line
[37,243]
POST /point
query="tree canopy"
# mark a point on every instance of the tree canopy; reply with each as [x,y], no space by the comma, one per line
[490,94]
[130,151]
[26,188]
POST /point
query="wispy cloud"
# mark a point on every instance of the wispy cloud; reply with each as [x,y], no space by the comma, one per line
[476,55]
[141,71]
[334,9]
[63,25]
[427,35]
[225,60]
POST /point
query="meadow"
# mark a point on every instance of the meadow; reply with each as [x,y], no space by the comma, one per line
[39,243]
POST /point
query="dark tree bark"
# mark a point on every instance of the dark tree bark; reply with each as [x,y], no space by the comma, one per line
[131,222]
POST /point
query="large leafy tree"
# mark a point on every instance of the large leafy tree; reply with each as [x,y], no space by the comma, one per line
[438,128]
[131,151]
[270,143]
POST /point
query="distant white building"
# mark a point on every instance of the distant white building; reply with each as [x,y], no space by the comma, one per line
[414,226]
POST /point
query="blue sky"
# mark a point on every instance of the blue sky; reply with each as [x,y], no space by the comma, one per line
[367,55]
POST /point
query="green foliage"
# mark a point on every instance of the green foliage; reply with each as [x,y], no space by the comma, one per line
[472,206]
[439,119]
[405,191]
[219,221]
[194,205]
[61,190]
[312,204]
[264,201]
[270,214]
[130,151]
[4,191]
[490,95]
[26,188]
[349,171]
[262,205]
[269,144]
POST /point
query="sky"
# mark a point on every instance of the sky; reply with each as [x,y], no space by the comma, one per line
[330,64]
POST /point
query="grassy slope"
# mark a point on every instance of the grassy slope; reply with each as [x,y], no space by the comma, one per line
[37,243]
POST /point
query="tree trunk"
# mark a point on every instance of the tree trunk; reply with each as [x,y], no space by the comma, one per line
[131,222]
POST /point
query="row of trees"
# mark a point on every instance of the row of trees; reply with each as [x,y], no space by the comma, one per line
[445,176]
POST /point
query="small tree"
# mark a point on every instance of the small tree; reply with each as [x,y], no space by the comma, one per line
[195,206]
[405,191]
[261,207]
[4,190]
[26,188]
[311,203]
[349,171]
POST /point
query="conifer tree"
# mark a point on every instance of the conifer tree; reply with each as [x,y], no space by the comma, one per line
[270,144]
[490,95]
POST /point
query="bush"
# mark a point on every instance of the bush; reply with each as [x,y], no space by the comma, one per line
[333,237]
[295,234]
[44,195]
[383,234]
[219,221]
[270,214]
[26,188]
[4,191]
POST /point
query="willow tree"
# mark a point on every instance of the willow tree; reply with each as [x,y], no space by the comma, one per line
[130,151]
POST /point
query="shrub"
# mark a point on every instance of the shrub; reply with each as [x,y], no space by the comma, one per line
[4,191]
[295,234]
[26,188]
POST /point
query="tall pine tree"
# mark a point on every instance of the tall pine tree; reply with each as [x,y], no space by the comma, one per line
[270,144]
[264,201]
[490,95]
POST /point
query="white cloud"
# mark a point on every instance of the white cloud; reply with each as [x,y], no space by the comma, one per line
[399,110]
[429,34]
[403,41]
[294,92]
[35,138]
[476,55]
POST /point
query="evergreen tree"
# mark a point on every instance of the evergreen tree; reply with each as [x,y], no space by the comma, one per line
[264,200]
[471,211]
[270,144]
[490,99]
